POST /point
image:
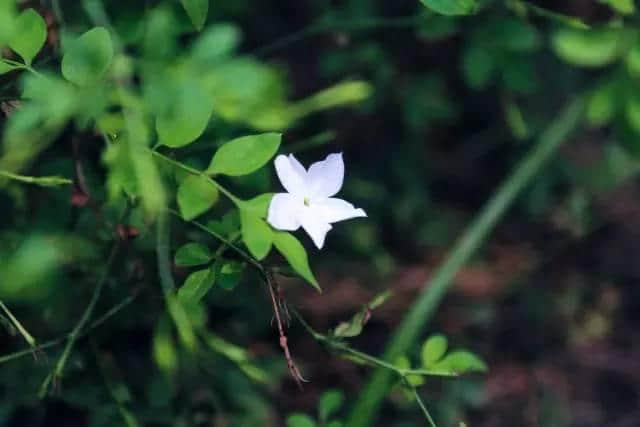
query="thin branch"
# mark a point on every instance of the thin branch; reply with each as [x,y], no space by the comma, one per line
[293,369]
[16,324]
[57,341]
[423,407]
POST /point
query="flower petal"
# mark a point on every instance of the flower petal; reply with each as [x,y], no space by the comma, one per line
[315,226]
[325,178]
[284,211]
[334,210]
[292,175]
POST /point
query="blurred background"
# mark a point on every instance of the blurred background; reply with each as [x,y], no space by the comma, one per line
[551,301]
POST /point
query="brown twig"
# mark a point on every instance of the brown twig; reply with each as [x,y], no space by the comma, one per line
[277,302]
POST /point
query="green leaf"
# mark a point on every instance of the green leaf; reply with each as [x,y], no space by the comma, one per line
[192,254]
[216,43]
[460,362]
[477,67]
[625,7]
[5,68]
[196,195]
[163,347]
[196,286]
[632,110]
[256,234]
[601,105]
[403,362]
[433,349]
[182,322]
[31,35]
[187,118]
[451,7]
[300,420]
[587,48]
[244,155]
[352,328]
[632,60]
[259,205]
[330,402]
[197,11]
[296,255]
[88,57]
[229,274]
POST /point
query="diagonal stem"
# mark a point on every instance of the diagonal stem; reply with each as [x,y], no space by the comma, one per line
[368,403]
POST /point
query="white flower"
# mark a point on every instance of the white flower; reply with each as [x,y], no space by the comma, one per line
[308,202]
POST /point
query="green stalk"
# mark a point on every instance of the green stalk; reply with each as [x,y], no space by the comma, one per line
[366,407]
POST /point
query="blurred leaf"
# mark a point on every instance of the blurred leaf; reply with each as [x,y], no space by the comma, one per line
[87,58]
[244,155]
[460,362]
[196,195]
[30,35]
[403,362]
[192,254]
[216,43]
[164,351]
[433,349]
[330,402]
[196,286]
[237,355]
[625,7]
[296,255]
[601,105]
[256,234]
[355,325]
[7,20]
[300,420]
[588,48]
[632,60]
[229,274]
[477,67]
[187,117]
[182,322]
[632,110]
[451,7]
[197,11]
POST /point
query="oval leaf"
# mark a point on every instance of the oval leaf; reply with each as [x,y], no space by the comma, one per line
[88,57]
[587,48]
[230,274]
[296,255]
[196,286]
[192,254]
[259,205]
[330,402]
[300,420]
[256,234]
[30,37]
[460,362]
[451,7]
[197,11]
[433,349]
[244,155]
[187,118]
[196,195]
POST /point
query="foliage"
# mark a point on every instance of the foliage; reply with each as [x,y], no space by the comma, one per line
[136,172]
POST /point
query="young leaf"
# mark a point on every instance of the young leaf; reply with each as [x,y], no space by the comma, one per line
[352,328]
[460,362]
[256,234]
[402,362]
[433,349]
[300,420]
[229,274]
[188,117]
[197,11]
[451,7]
[192,254]
[196,286]
[196,195]
[296,255]
[31,35]
[244,155]
[259,205]
[88,57]
[330,402]
[587,48]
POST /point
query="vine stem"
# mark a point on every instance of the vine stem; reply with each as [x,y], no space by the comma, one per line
[368,403]
[195,171]
[416,395]
[16,324]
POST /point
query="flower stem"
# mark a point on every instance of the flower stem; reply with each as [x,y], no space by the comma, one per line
[368,403]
